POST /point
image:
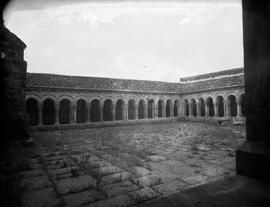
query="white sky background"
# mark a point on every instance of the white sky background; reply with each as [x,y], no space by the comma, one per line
[149,41]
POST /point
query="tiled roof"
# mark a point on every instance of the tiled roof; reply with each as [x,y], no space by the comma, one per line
[212,84]
[42,80]
[223,79]
[222,73]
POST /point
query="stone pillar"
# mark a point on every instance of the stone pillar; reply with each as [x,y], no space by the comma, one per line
[226,108]
[101,111]
[40,108]
[88,111]
[206,108]
[136,111]
[74,110]
[190,110]
[171,110]
[216,108]
[125,111]
[57,113]
[239,108]
[163,110]
[146,111]
[199,109]
[155,111]
[113,111]
[253,157]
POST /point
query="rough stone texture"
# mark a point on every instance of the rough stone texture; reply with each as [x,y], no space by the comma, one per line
[14,119]
[127,166]
[45,197]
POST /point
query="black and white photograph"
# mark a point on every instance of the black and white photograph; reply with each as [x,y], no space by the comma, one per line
[135,103]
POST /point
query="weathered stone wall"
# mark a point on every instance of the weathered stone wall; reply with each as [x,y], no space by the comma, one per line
[13,82]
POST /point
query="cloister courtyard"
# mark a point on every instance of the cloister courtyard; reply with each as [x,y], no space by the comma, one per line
[126,165]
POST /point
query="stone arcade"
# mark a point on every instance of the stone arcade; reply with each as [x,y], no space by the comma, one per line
[58,99]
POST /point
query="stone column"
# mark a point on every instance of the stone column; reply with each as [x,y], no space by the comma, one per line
[253,157]
[199,109]
[146,111]
[101,111]
[40,108]
[57,113]
[88,111]
[71,113]
[216,108]
[125,111]
[155,111]
[136,111]
[190,110]
[113,111]
[239,108]
[206,108]
[163,111]
[171,110]
[74,109]
[226,108]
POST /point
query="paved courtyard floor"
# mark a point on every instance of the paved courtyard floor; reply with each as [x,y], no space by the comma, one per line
[127,165]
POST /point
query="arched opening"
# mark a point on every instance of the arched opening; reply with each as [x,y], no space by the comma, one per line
[232,106]
[107,110]
[210,106]
[81,111]
[220,105]
[95,111]
[202,107]
[175,108]
[119,110]
[64,111]
[48,112]
[193,107]
[160,108]
[186,107]
[131,109]
[150,109]
[243,104]
[168,108]
[141,109]
[32,111]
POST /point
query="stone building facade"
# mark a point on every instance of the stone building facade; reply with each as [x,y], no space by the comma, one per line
[63,100]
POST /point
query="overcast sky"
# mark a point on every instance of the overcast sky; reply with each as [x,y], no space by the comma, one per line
[135,40]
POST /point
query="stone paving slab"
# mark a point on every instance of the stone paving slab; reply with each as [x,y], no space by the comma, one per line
[118,201]
[118,188]
[75,184]
[107,170]
[114,178]
[32,173]
[34,183]
[147,180]
[126,166]
[170,186]
[82,198]
[45,197]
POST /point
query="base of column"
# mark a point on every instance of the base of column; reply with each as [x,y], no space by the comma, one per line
[253,160]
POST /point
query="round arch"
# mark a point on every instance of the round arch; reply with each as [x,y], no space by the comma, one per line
[141,109]
[119,109]
[32,111]
[48,112]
